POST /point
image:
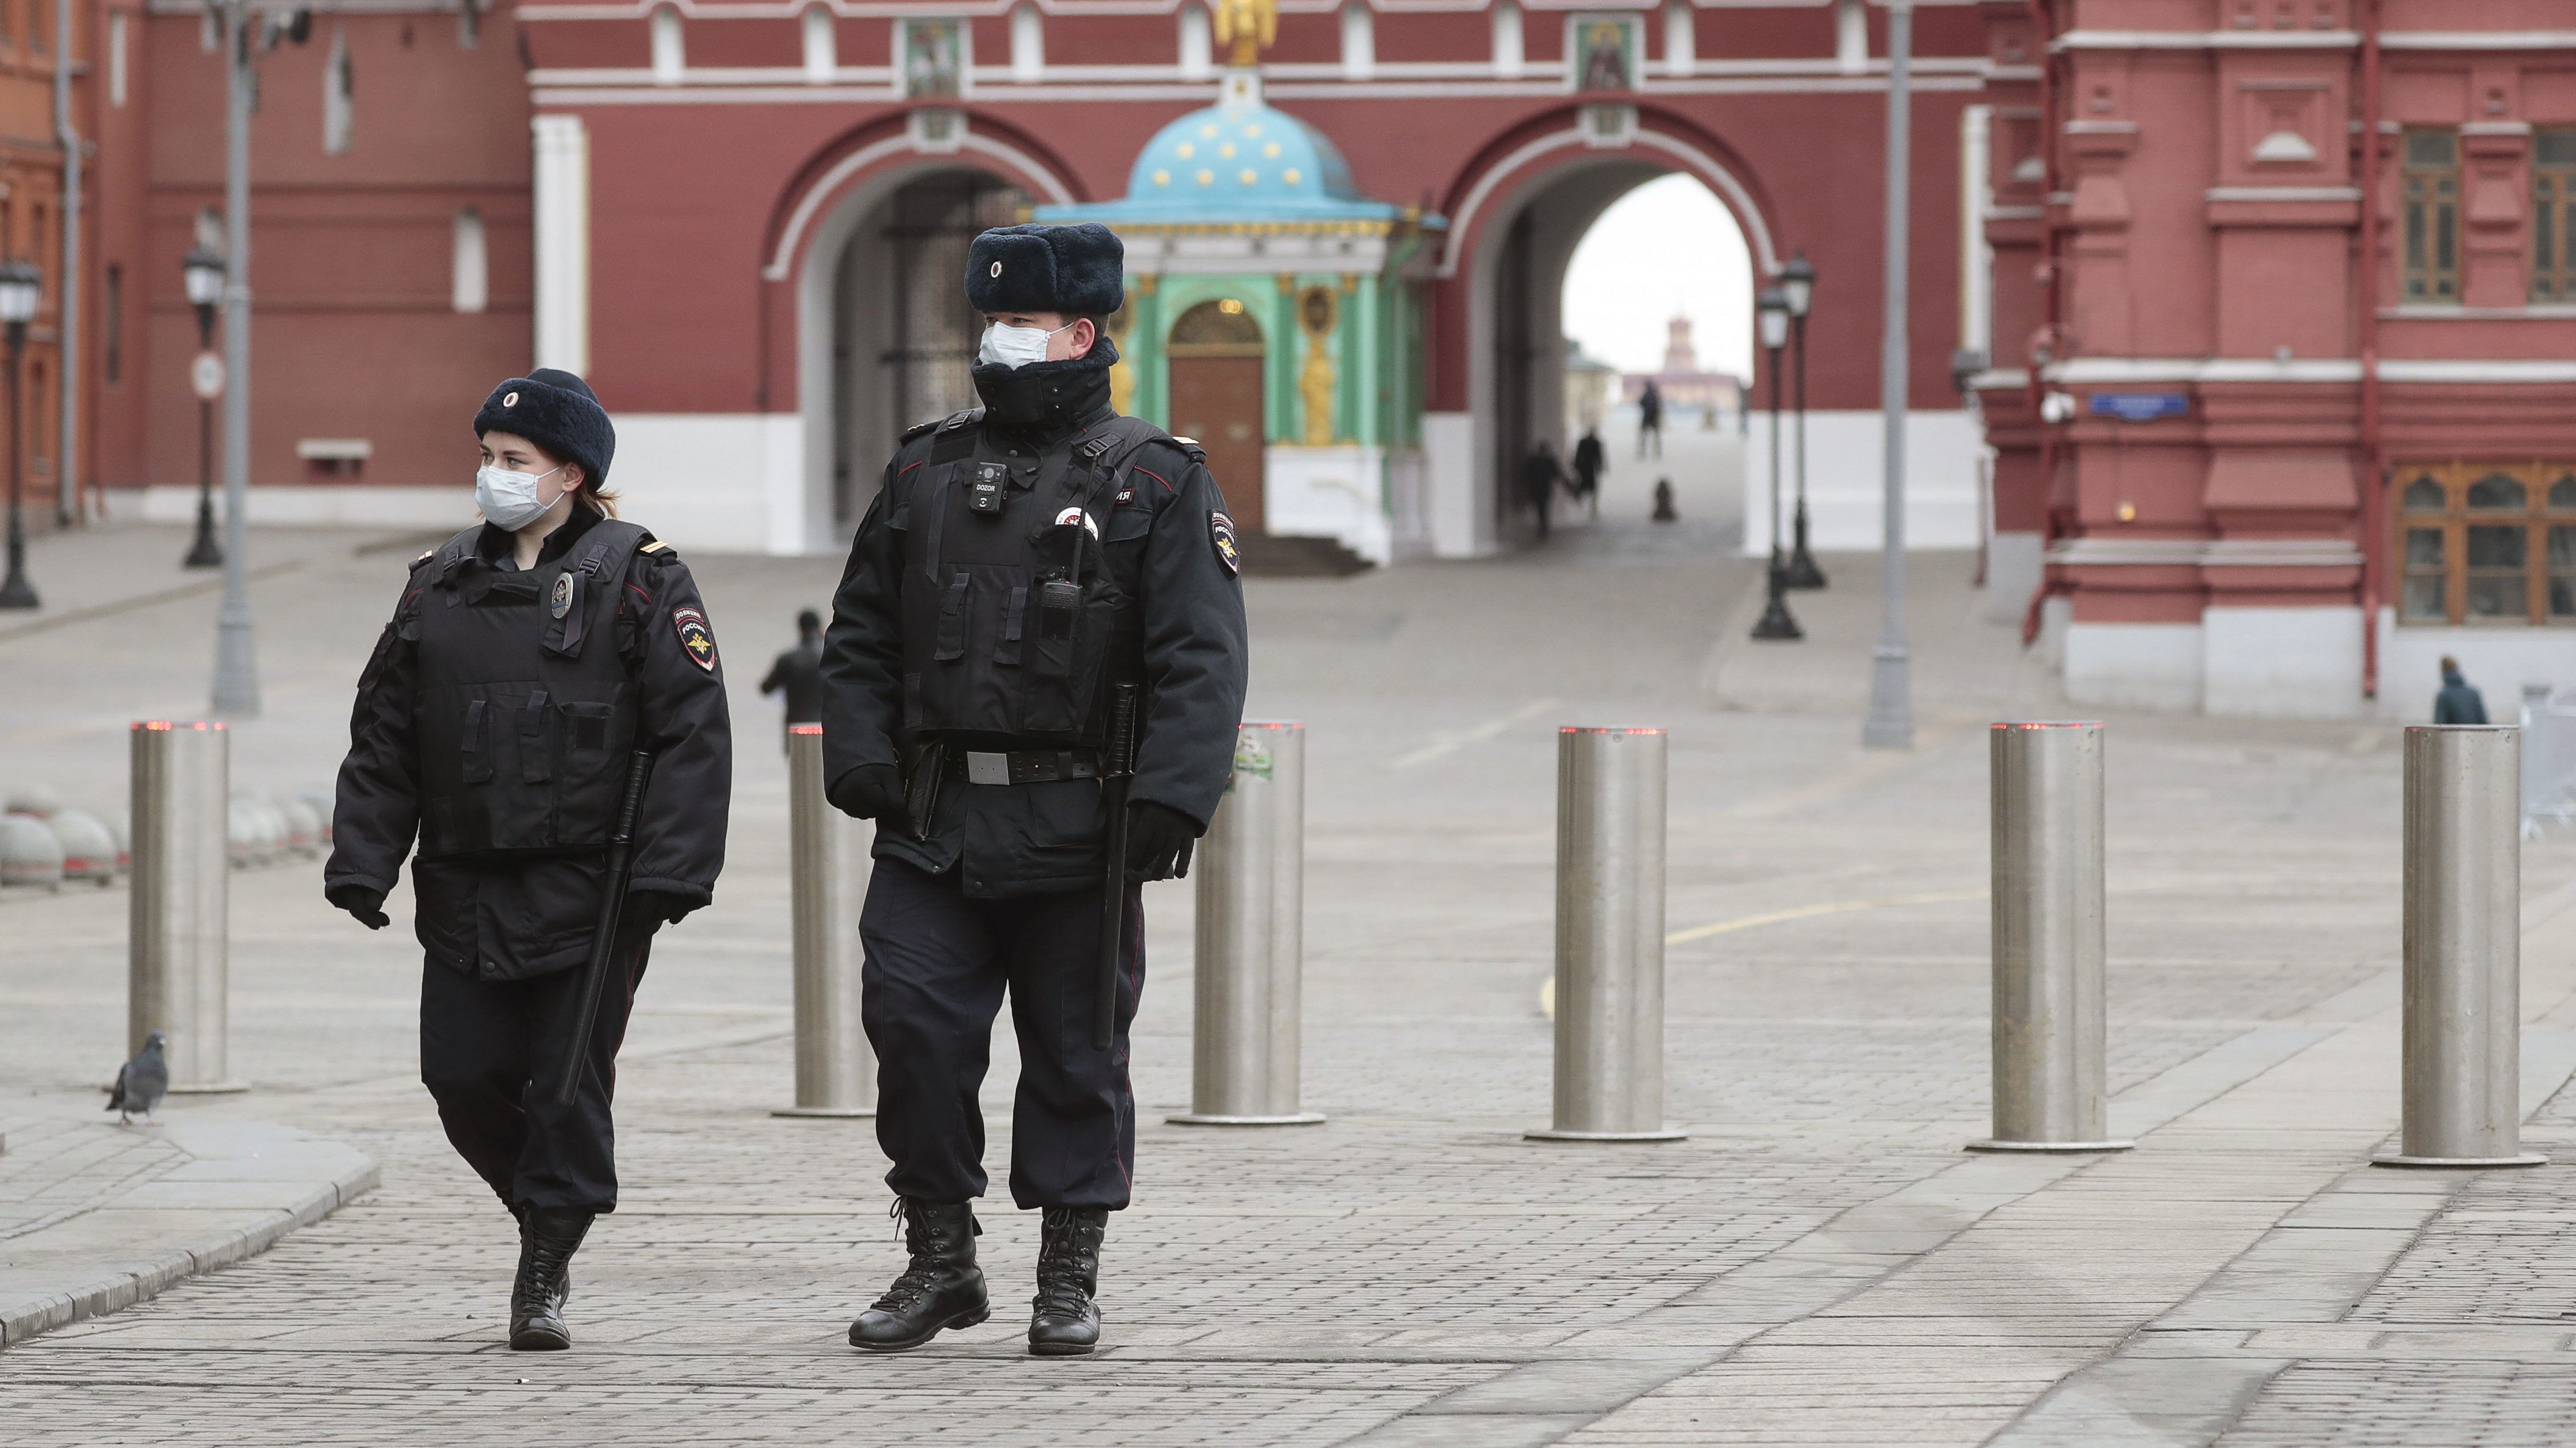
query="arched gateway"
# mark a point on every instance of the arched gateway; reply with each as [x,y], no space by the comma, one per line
[1405,298]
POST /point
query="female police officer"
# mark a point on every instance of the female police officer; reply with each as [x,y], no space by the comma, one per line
[529,658]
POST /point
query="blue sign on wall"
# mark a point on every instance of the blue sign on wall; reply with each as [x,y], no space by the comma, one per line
[2140,406]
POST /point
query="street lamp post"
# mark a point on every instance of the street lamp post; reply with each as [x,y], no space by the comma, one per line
[22,289]
[236,692]
[1890,722]
[1798,286]
[203,270]
[1772,309]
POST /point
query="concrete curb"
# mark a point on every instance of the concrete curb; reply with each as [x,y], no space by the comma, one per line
[245,1185]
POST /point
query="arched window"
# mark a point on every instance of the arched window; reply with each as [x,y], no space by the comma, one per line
[1226,324]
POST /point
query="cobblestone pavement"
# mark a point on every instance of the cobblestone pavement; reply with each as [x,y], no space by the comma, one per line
[1818,1262]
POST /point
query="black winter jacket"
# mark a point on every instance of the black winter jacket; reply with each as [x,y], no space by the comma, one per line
[521,915]
[1168,544]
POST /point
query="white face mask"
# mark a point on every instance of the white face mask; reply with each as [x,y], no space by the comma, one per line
[1016,346]
[510,499]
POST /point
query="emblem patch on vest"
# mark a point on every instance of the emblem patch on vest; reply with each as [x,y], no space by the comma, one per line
[694,638]
[561,603]
[1221,529]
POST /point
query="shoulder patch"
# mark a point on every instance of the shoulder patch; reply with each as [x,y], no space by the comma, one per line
[656,546]
[426,554]
[1221,532]
[695,640]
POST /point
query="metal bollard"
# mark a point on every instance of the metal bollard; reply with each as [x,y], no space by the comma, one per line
[178,950]
[1251,939]
[2050,1077]
[836,1073]
[2463,950]
[1609,937]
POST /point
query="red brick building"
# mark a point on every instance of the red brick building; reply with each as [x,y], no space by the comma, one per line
[741,219]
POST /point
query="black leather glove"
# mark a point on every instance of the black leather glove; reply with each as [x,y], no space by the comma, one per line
[868,792]
[366,906]
[1158,841]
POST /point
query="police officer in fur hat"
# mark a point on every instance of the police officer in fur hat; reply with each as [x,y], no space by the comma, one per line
[1032,573]
[528,659]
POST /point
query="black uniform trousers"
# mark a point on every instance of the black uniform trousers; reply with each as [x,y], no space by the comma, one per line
[936,965]
[492,1056]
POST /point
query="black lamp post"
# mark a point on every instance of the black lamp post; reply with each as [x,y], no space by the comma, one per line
[1798,286]
[1772,311]
[22,289]
[203,269]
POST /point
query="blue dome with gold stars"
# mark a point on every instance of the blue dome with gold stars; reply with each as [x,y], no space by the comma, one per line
[1237,161]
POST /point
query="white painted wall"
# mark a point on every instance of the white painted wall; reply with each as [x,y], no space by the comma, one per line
[1459,507]
[2151,666]
[337,505]
[2012,575]
[1846,488]
[716,482]
[2281,663]
[1329,492]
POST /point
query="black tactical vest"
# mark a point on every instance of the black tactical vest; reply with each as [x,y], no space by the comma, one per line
[1018,608]
[522,711]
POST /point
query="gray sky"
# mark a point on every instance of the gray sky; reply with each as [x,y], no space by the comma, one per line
[1663,249]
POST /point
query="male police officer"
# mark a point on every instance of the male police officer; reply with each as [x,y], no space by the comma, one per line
[1025,565]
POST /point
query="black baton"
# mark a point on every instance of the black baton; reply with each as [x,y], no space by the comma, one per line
[1115,770]
[603,938]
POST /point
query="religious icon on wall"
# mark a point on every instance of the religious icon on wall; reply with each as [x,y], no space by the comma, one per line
[934,58]
[1605,52]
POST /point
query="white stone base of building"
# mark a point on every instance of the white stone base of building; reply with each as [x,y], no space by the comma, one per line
[1330,492]
[1846,481]
[2281,663]
[2013,571]
[2157,667]
[1458,497]
[314,505]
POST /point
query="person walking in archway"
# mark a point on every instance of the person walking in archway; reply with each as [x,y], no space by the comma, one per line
[1541,476]
[1591,460]
[1650,418]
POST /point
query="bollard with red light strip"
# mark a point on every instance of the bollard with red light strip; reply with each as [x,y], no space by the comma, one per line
[178,943]
[1609,937]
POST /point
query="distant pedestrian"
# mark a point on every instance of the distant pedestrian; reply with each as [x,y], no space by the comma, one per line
[1541,476]
[2459,702]
[1664,502]
[799,673]
[1591,460]
[1650,418]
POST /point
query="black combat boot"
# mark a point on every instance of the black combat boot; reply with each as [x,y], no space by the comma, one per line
[1066,1323]
[941,1288]
[548,1236]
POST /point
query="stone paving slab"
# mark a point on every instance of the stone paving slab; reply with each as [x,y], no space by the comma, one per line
[212,1193]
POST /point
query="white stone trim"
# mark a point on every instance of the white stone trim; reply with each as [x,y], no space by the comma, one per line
[562,202]
[1329,492]
[783,258]
[2282,193]
[2281,662]
[2098,551]
[2161,667]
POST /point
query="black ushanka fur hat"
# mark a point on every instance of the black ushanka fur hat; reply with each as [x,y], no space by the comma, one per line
[558,412]
[1079,270]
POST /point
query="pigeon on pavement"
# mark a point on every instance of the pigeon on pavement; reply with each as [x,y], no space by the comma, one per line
[141,1083]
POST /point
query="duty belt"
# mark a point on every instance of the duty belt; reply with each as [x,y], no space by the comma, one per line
[1021,766]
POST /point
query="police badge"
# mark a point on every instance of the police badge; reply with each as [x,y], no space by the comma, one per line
[1221,531]
[561,604]
[695,641]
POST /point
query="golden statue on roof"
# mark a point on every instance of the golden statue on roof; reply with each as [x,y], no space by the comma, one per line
[1248,25]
